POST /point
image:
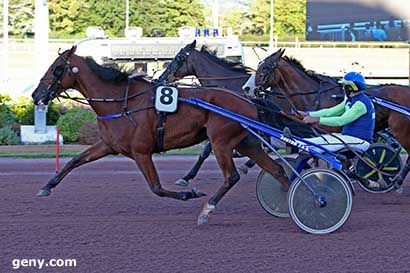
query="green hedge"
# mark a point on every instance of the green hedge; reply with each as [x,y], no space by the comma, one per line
[8,136]
[71,122]
[7,118]
[24,111]
[9,127]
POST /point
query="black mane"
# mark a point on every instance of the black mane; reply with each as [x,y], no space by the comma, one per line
[310,73]
[234,66]
[108,73]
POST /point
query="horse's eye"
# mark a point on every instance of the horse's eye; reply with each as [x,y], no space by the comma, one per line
[58,71]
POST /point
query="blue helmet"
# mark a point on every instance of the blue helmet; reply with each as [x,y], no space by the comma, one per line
[354,81]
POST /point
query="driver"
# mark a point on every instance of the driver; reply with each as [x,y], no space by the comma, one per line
[356,116]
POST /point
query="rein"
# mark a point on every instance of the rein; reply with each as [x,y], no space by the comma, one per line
[270,67]
[214,78]
[287,97]
[292,105]
[300,93]
[81,100]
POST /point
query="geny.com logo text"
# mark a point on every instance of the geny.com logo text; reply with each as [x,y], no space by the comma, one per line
[41,263]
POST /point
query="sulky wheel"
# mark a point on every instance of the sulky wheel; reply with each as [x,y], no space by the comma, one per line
[324,204]
[270,194]
[378,157]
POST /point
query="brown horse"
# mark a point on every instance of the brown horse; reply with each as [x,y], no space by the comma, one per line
[292,86]
[213,71]
[307,90]
[128,124]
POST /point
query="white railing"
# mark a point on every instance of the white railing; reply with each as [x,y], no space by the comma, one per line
[294,44]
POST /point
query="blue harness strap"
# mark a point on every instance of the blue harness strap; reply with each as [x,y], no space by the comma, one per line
[113,116]
[391,105]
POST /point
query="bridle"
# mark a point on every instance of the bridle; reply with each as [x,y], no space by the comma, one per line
[176,64]
[265,73]
[58,71]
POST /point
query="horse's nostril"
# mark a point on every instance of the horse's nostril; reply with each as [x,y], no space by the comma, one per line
[247,88]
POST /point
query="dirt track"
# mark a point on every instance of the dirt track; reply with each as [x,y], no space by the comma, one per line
[104,216]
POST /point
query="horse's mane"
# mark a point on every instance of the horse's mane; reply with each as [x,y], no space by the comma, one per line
[107,73]
[317,77]
[234,66]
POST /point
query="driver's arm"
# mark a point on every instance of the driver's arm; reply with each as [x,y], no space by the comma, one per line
[336,110]
[357,110]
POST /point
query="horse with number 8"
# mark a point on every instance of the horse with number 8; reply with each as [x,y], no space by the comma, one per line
[128,121]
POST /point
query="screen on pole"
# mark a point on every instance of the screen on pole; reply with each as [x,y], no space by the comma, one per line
[358,20]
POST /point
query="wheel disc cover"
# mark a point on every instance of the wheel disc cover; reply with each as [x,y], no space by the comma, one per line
[305,209]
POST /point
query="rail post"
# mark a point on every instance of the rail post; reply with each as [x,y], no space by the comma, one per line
[57,150]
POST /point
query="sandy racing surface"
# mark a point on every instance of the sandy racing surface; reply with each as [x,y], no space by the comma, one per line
[104,216]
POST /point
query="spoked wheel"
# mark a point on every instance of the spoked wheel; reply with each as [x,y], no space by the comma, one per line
[270,193]
[378,157]
[324,204]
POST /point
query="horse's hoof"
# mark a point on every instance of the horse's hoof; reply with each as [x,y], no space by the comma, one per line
[203,219]
[204,215]
[44,192]
[182,182]
[198,194]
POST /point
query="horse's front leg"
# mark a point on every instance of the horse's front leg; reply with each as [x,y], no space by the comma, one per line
[223,155]
[96,151]
[147,167]
[205,152]
[250,147]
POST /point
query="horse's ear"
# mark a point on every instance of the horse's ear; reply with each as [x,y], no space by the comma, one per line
[192,45]
[273,55]
[277,52]
[73,49]
[282,51]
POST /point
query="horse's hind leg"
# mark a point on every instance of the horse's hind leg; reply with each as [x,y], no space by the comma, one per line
[147,167]
[243,169]
[402,176]
[96,151]
[400,127]
[205,152]
[251,147]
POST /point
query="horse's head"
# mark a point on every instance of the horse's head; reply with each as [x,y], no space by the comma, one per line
[304,88]
[59,77]
[261,79]
[265,74]
[179,66]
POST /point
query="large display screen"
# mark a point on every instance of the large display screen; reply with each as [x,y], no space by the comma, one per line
[358,20]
